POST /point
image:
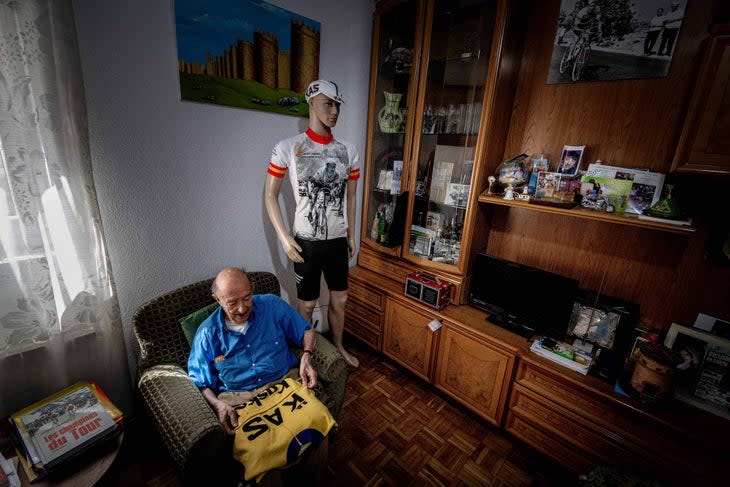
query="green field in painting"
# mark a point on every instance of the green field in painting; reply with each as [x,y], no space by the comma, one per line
[239,93]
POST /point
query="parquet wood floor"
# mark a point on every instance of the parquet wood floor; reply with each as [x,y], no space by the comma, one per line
[397,430]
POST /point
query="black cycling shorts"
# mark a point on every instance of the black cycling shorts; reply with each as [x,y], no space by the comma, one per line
[328,257]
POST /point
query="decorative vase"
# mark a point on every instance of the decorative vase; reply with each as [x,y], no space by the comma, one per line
[391,117]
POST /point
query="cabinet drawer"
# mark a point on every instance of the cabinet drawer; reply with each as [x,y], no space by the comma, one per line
[364,334]
[566,428]
[383,267]
[617,422]
[361,293]
[542,441]
[540,396]
[363,315]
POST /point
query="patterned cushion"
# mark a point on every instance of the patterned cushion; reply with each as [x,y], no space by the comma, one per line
[191,322]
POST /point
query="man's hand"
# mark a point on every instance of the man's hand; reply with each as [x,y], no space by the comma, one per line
[292,249]
[307,372]
[227,417]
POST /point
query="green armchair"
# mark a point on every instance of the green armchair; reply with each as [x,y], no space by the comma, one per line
[187,425]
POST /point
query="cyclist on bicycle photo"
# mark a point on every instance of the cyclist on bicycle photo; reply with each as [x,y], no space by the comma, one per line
[587,28]
[588,22]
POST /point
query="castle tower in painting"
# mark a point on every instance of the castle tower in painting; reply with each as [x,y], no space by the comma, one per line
[209,65]
[304,56]
[244,60]
[283,80]
[266,59]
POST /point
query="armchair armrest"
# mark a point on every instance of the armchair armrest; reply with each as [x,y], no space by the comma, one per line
[186,423]
[328,361]
[331,373]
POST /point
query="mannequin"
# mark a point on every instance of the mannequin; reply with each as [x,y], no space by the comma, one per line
[323,172]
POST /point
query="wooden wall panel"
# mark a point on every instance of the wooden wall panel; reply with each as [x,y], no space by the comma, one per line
[633,123]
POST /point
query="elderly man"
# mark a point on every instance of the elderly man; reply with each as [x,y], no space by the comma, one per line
[243,345]
[318,165]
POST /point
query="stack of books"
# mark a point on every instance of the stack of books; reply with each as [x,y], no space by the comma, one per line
[563,354]
[52,431]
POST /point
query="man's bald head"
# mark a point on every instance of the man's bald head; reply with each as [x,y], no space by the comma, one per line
[232,289]
[228,276]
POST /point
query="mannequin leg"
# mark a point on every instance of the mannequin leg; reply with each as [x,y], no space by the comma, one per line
[336,320]
[306,308]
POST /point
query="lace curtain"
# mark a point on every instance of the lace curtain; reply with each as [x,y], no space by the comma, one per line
[59,318]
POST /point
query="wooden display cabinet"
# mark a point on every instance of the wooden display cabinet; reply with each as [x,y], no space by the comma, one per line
[441,85]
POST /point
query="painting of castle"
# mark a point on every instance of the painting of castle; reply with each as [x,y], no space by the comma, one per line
[246,54]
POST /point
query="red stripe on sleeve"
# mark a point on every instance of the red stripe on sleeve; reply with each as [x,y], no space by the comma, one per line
[276,171]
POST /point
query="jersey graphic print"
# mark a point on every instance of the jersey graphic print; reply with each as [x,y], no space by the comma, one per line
[322,178]
[319,169]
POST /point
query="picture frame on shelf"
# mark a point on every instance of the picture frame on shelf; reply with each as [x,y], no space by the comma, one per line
[457,195]
[538,164]
[547,183]
[605,194]
[570,159]
[433,221]
[703,378]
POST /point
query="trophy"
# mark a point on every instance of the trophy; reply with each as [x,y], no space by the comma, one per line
[511,173]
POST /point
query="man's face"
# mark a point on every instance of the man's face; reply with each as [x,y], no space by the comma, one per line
[325,110]
[236,299]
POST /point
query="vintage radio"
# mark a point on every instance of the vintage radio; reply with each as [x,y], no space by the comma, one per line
[428,289]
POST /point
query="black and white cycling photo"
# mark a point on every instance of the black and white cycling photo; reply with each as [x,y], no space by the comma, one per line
[599,40]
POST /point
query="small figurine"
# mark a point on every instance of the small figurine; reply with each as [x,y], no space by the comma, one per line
[491,180]
[509,193]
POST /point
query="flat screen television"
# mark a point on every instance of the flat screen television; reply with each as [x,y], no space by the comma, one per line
[521,298]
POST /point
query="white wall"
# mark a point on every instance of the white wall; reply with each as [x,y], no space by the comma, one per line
[180,184]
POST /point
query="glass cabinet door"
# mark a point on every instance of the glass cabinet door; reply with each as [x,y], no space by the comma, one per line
[394,54]
[453,86]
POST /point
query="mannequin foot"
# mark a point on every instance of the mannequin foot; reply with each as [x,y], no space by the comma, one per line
[351,360]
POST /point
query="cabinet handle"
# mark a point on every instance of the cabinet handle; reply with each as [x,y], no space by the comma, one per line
[434,325]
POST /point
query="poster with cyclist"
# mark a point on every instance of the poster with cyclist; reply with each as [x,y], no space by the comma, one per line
[599,40]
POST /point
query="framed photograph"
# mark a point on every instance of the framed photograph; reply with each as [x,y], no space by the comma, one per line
[606,40]
[703,378]
[570,159]
[605,194]
[537,165]
[547,184]
[457,195]
[433,221]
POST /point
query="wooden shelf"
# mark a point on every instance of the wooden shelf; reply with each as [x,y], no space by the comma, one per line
[578,212]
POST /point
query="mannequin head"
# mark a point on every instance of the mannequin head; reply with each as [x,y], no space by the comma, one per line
[324,99]
[323,114]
